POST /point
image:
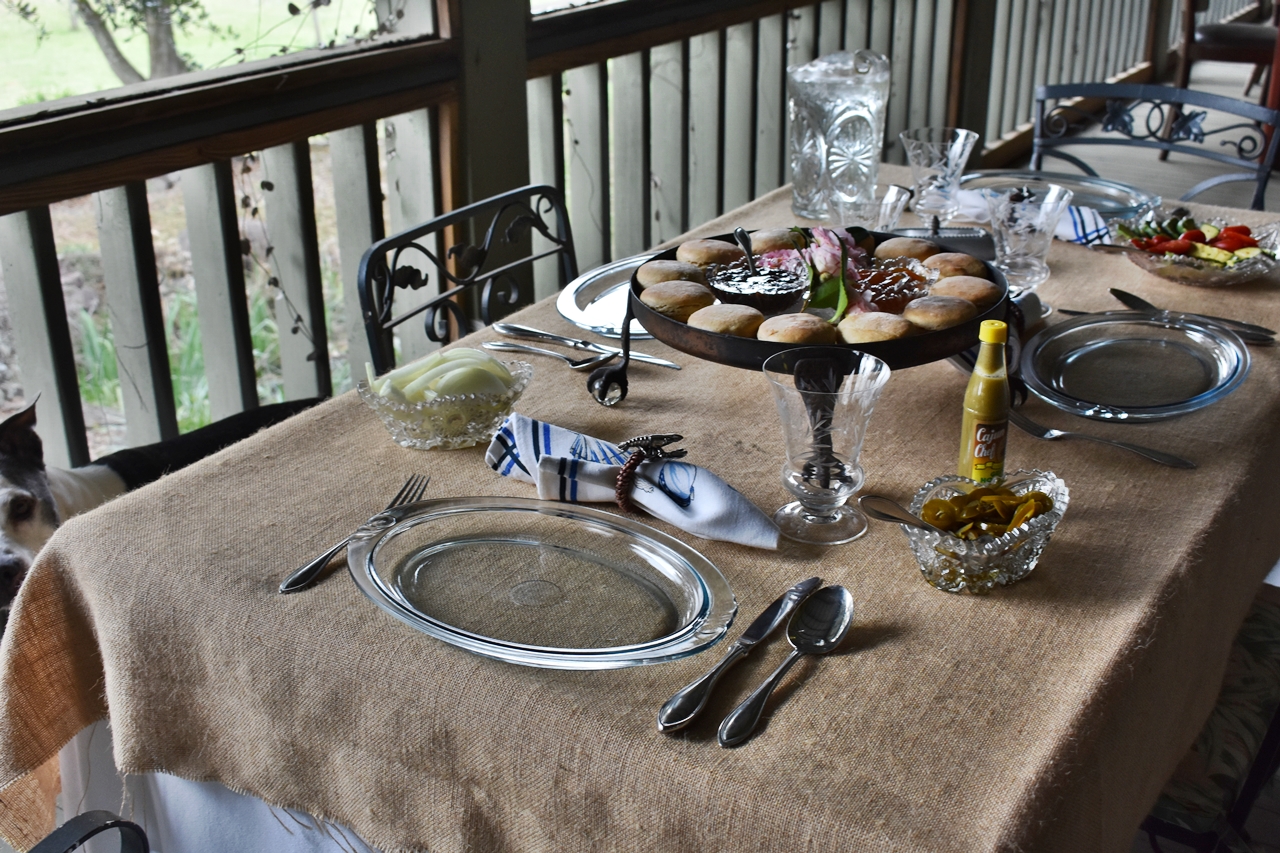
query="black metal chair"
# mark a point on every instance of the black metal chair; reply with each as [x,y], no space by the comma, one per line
[1136,115]
[1252,44]
[79,829]
[490,262]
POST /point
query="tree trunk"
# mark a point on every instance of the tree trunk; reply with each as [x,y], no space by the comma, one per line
[102,35]
[165,59]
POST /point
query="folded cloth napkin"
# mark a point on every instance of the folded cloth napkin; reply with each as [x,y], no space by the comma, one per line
[1078,225]
[575,468]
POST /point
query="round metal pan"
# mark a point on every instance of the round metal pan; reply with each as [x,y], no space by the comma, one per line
[750,354]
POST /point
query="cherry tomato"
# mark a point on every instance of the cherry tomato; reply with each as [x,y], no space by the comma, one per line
[1243,230]
[1158,247]
[1229,242]
[1177,247]
[1195,235]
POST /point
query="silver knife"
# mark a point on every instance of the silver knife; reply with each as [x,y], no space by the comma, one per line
[681,708]
[514,330]
[1137,303]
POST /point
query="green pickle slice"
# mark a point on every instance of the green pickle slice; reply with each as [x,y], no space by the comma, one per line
[985,511]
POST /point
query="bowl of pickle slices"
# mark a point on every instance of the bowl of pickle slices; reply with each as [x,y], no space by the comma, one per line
[1207,253]
[986,535]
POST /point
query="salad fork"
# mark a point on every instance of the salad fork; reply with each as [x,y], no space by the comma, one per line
[308,575]
[1029,426]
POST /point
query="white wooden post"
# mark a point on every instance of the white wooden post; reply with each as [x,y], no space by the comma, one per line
[357,196]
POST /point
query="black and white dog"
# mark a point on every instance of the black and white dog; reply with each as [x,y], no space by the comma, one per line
[35,498]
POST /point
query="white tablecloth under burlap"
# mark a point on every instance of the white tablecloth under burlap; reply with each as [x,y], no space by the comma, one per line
[1043,717]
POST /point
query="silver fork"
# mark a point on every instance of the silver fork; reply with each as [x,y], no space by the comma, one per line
[308,575]
[1029,426]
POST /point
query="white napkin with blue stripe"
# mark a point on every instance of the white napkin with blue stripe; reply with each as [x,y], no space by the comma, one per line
[1078,225]
[574,468]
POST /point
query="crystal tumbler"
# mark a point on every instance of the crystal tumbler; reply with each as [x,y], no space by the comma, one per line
[1022,225]
[837,109]
[825,396]
[937,156]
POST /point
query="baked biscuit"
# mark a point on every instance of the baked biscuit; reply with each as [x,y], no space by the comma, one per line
[948,264]
[939,312]
[656,271]
[979,291]
[797,329]
[740,320]
[874,326]
[906,247]
[774,240]
[704,253]
[677,299]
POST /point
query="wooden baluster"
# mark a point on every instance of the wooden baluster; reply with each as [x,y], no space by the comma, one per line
[546,165]
[629,136]
[137,317]
[357,197]
[588,153]
[738,115]
[667,134]
[830,26]
[771,146]
[295,263]
[412,200]
[209,196]
[41,336]
[705,89]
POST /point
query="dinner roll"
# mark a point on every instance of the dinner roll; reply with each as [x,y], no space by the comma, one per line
[979,291]
[939,312]
[906,247]
[740,320]
[955,263]
[874,326]
[797,329]
[773,240]
[677,299]
[656,271]
[704,253]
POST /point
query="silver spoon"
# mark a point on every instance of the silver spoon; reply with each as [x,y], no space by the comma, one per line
[574,363]
[884,509]
[744,240]
[815,629]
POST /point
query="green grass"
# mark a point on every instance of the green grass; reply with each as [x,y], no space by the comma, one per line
[68,62]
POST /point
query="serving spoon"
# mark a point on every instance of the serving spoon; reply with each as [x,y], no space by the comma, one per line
[574,363]
[884,509]
[817,627]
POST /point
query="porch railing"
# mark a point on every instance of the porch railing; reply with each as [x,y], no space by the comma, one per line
[651,115]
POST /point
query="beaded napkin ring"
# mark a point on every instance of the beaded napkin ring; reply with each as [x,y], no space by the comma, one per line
[643,447]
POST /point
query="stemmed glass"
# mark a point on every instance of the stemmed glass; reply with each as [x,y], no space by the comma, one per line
[825,396]
[937,156]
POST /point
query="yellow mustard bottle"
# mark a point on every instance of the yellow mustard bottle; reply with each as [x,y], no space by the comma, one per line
[986,408]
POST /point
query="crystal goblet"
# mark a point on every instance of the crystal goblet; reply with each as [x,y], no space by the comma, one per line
[825,396]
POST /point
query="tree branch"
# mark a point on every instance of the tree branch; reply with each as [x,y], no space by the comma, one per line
[102,35]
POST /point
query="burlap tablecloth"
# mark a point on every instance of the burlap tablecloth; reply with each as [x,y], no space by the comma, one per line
[1042,717]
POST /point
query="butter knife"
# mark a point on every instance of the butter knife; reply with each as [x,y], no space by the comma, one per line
[514,330]
[1137,303]
[681,708]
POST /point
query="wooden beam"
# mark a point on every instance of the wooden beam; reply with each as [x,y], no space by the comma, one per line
[971,59]
[34,286]
[576,37]
[137,318]
[140,165]
[208,193]
[295,264]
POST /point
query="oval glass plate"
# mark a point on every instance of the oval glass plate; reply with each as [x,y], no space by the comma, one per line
[1112,199]
[541,584]
[1134,366]
[597,300]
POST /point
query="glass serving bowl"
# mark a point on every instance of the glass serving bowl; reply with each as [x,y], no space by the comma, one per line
[1185,269]
[960,565]
[448,422]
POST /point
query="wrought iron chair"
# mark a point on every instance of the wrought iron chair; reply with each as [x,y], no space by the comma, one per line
[489,263]
[1136,115]
[79,829]
[1207,802]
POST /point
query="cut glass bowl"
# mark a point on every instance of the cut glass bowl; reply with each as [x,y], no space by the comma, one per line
[959,565]
[448,422]
[1185,269]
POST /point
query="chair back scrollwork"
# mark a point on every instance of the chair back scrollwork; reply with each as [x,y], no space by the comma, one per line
[491,259]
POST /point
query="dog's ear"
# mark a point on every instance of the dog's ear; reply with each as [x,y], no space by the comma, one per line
[18,435]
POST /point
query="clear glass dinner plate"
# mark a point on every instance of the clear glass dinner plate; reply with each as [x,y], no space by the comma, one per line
[597,300]
[1112,199]
[540,583]
[1134,366]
